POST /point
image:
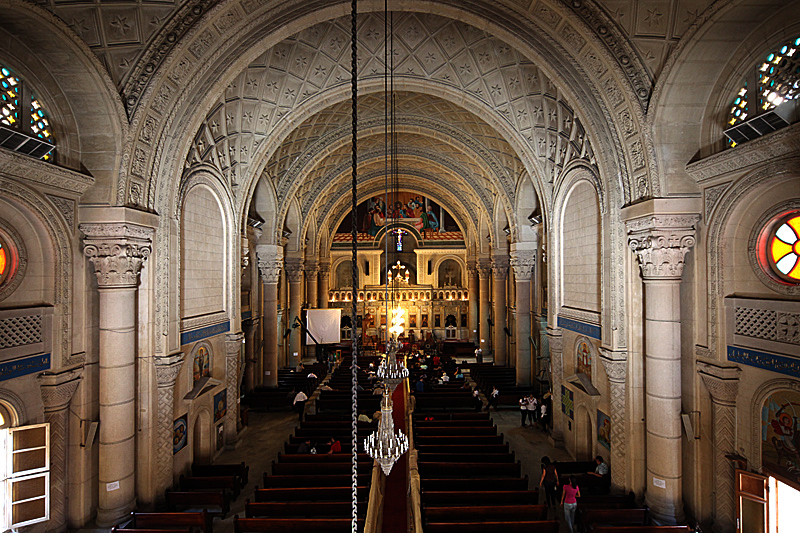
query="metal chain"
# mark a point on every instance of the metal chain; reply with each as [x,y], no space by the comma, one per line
[354,233]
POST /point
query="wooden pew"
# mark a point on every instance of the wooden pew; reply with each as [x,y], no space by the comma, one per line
[427,469]
[305,509]
[452,440]
[321,494]
[643,529]
[192,521]
[479,513]
[214,483]
[594,518]
[292,525]
[474,484]
[455,431]
[322,458]
[499,497]
[628,501]
[215,503]
[117,529]
[426,457]
[241,470]
[273,482]
[463,448]
[543,526]
[318,469]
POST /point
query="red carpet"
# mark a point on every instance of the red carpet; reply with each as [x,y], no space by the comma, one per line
[395,518]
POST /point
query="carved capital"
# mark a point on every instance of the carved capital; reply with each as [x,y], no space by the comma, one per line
[722,382]
[324,271]
[555,340]
[233,344]
[523,263]
[615,364]
[57,388]
[484,271]
[311,268]
[661,243]
[294,270]
[117,252]
[270,262]
[500,268]
[168,368]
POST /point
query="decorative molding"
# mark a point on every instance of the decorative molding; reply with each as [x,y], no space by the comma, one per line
[763,324]
[66,207]
[711,195]
[500,268]
[168,368]
[116,262]
[523,262]
[197,322]
[17,243]
[23,367]
[722,382]
[590,330]
[767,361]
[616,366]
[195,335]
[770,147]
[234,343]
[294,270]
[58,387]
[661,243]
[38,173]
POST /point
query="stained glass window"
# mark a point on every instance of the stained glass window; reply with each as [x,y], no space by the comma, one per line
[783,248]
[3,262]
[778,80]
[34,121]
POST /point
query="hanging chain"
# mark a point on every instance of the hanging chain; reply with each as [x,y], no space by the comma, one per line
[354,312]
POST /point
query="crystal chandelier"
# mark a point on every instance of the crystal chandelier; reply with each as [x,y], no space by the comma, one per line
[384,445]
[390,371]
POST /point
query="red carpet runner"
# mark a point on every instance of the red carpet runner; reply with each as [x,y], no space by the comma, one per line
[395,518]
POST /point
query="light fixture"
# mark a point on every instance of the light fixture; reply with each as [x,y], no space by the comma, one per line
[535,218]
[507,230]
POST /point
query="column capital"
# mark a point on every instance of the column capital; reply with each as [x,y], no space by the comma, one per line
[722,382]
[615,363]
[117,252]
[311,267]
[233,343]
[58,387]
[168,368]
[484,270]
[294,269]
[523,262]
[324,269]
[500,267]
[270,262]
[661,243]
[555,339]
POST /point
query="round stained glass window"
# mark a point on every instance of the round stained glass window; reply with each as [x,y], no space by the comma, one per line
[781,249]
[5,261]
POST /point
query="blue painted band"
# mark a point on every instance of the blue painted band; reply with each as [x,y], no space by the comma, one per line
[25,366]
[590,330]
[206,332]
[776,363]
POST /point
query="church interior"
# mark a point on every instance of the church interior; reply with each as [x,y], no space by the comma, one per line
[596,202]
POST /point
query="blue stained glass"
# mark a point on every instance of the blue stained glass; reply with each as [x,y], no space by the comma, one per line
[770,57]
[784,49]
[6,72]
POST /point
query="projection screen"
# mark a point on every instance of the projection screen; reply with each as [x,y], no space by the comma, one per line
[324,325]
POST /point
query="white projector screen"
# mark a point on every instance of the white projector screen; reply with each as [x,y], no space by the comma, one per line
[323,324]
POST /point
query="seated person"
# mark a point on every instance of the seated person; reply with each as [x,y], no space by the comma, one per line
[601,469]
[305,446]
[336,446]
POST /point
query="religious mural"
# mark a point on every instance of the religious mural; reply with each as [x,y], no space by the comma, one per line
[424,214]
[780,434]
[603,429]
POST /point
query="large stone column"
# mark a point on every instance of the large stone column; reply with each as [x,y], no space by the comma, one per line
[474,299]
[233,377]
[323,285]
[556,341]
[250,328]
[616,366]
[57,389]
[311,269]
[485,333]
[270,259]
[523,260]
[660,243]
[499,277]
[167,370]
[117,252]
[294,273]
[722,383]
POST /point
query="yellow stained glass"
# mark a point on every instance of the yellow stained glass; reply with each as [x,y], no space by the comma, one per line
[2,260]
[780,249]
[795,272]
[795,225]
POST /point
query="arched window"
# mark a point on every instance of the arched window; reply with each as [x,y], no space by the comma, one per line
[776,79]
[21,111]
[780,245]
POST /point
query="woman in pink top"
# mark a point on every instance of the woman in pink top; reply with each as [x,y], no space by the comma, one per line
[569,493]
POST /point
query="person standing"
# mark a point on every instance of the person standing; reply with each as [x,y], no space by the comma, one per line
[493,399]
[299,403]
[476,398]
[569,499]
[543,416]
[523,410]
[533,409]
[549,481]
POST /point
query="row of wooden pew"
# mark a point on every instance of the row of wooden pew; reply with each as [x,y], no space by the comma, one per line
[289,381]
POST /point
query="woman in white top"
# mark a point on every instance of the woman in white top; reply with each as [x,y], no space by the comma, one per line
[523,410]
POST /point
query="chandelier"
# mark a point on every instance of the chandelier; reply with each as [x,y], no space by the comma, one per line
[386,446]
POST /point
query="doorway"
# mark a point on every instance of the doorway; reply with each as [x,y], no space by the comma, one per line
[584,451]
[765,504]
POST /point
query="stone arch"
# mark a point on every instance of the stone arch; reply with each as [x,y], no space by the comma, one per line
[688,82]
[584,433]
[202,451]
[210,180]
[55,231]
[759,397]
[579,174]
[262,202]
[452,257]
[36,44]
[16,407]
[730,201]
[520,35]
